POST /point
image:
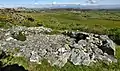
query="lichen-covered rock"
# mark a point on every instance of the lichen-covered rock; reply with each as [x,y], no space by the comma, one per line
[59,60]
[79,57]
[91,47]
[108,45]
[78,47]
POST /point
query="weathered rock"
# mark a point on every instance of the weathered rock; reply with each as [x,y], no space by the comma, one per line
[2,54]
[35,57]
[79,57]
[92,46]
[78,47]
[59,60]
[108,45]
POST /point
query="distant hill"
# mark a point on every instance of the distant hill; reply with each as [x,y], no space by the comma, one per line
[53,6]
[76,6]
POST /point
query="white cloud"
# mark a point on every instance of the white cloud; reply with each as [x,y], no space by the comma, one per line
[54,3]
[36,3]
[69,3]
[92,1]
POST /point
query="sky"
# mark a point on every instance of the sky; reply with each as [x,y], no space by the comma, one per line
[82,2]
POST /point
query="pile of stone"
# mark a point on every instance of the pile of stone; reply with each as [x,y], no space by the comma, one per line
[78,47]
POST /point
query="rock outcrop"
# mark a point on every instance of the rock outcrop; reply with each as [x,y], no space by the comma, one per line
[78,47]
[90,47]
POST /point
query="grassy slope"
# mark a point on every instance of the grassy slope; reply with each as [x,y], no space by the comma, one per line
[92,21]
[73,20]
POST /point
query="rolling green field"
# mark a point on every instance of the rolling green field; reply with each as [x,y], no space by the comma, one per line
[100,22]
[75,20]
[89,21]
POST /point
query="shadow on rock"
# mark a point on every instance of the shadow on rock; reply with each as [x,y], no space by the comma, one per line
[14,67]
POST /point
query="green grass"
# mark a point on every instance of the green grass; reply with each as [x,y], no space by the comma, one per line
[77,21]
[66,20]
[20,36]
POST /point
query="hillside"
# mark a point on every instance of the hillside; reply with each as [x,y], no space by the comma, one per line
[59,40]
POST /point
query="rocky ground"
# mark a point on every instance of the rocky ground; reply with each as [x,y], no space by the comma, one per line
[35,44]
